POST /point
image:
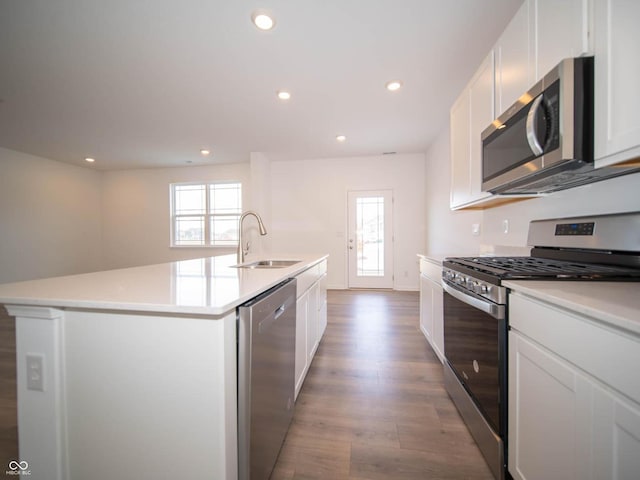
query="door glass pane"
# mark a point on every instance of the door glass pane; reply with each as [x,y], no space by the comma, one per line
[370,236]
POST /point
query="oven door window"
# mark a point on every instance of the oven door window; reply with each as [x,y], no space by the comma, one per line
[475,347]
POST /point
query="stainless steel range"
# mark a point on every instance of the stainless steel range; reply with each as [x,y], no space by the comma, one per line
[605,247]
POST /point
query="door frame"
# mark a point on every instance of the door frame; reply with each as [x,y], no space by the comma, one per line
[388,280]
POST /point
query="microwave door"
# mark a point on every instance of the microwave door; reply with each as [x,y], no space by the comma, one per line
[507,154]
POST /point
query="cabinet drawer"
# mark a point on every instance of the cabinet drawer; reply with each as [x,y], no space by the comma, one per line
[430,270]
[606,354]
[310,276]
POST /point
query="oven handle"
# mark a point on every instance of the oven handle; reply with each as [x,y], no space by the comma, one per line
[496,311]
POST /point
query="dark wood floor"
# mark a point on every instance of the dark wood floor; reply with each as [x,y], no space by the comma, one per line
[8,408]
[373,405]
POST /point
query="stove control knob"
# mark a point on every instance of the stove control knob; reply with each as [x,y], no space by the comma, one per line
[484,289]
[470,284]
[477,287]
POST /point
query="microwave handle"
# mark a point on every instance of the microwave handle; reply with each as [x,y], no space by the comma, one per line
[532,134]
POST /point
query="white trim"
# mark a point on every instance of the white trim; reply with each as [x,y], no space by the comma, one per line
[29,311]
[42,415]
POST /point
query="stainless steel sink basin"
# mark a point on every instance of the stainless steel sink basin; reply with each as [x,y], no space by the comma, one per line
[268,264]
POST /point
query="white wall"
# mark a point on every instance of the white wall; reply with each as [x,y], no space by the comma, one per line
[50,218]
[617,195]
[135,212]
[447,230]
[309,209]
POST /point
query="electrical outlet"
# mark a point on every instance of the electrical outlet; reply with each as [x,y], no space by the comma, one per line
[35,372]
[475,229]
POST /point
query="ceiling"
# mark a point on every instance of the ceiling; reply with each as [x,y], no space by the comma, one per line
[149,83]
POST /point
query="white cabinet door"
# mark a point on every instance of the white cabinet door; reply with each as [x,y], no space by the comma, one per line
[481,114]
[549,417]
[432,315]
[617,76]
[312,322]
[514,74]
[616,437]
[470,115]
[426,308]
[438,321]
[460,151]
[322,306]
[302,305]
[560,30]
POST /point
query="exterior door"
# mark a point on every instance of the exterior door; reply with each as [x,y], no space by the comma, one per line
[370,239]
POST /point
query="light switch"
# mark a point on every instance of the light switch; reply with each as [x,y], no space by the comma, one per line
[35,372]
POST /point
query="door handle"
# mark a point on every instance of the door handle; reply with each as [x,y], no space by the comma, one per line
[532,134]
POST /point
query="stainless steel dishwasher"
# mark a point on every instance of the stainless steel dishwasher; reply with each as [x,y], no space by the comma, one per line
[266,384]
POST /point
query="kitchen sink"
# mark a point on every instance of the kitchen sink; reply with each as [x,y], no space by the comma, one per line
[268,264]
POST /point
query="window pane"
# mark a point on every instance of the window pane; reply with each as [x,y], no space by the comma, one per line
[370,236]
[224,230]
[189,231]
[190,199]
[225,198]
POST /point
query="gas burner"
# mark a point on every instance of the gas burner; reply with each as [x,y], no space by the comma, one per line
[544,268]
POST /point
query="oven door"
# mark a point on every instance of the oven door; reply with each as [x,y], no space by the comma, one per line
[475,345]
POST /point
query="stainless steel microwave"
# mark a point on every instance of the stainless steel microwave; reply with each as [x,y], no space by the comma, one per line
[543,142]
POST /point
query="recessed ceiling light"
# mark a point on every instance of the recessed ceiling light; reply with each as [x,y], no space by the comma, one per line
[89,159]
[341,138]
[393,85]
[263,19]
[205,152]
[284,95]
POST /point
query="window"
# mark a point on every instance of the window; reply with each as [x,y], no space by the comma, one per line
[205,214]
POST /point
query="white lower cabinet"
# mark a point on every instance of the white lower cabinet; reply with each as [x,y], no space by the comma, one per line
[545,414]
[302,305]
[566,420]
[431,307]
[311,319]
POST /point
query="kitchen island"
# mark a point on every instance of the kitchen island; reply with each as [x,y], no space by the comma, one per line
[132,373]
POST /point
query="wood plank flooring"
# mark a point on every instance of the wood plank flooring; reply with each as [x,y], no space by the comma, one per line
[8,405]
[373,405]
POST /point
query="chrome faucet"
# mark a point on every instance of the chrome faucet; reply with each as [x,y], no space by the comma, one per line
[263,231]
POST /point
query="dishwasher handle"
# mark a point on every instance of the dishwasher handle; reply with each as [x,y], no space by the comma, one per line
[264,325]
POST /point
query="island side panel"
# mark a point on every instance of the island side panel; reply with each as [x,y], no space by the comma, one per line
[138,384]
[150,396]
[40,391]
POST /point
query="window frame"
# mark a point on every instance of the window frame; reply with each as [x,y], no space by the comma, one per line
[207,215]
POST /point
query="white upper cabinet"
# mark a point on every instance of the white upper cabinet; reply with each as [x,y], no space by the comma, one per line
[470,115]
[460,154]
[514,74]
[616,38]
[560,29]
[481,114]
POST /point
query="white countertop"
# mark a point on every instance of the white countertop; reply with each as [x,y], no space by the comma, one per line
[614,303]
[209,286]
